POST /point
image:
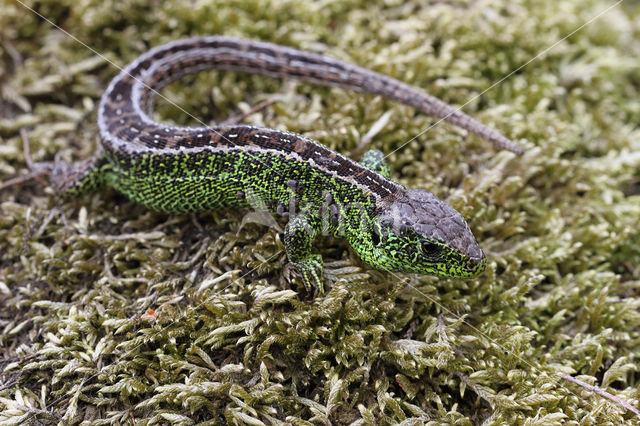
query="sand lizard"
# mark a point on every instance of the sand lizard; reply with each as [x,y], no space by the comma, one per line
[188,169]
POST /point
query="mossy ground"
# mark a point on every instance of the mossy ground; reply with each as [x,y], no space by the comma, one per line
[114,314]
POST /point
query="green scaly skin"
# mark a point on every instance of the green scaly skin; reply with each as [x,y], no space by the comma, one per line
[181,170]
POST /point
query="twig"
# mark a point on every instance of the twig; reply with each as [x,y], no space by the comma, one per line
[373,131]
[36,169]
[602,392]
[241,117]
[26,146]
[15,56]
[16,377]
[22,179]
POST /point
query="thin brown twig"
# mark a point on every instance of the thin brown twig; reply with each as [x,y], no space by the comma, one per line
[14,54]
[26,146]
[602,392]
[35,169]
[16,377]
[21,179]
[241,117]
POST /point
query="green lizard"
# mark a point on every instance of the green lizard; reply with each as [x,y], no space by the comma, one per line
[179,170]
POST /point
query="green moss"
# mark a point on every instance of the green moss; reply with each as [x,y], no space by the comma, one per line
[111,313]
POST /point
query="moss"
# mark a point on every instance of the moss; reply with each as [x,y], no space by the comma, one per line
[112,313]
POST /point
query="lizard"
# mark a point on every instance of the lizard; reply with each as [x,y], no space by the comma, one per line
[177,169]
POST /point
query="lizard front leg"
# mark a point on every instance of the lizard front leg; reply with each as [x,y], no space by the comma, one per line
[299,233]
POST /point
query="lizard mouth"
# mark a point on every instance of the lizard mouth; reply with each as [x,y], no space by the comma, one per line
[476,265]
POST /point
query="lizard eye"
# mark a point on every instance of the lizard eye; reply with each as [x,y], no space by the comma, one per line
[429,248]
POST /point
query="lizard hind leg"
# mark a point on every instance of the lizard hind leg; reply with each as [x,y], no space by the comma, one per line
[374,160]
[80,178]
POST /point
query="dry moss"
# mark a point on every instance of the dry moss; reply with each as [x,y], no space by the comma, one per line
[114,314]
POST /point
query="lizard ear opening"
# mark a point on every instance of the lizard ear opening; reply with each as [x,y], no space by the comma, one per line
[429,248]
[375,237]
[377,227]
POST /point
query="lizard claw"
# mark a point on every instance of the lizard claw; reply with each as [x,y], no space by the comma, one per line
[311,271]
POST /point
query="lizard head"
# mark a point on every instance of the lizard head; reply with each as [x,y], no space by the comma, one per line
[419,233]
